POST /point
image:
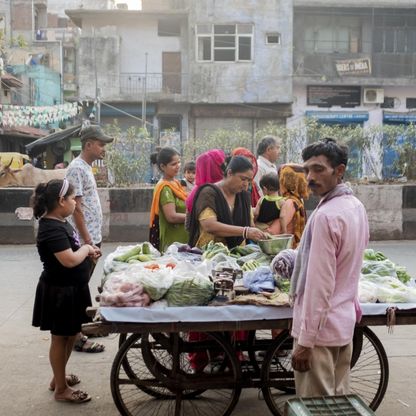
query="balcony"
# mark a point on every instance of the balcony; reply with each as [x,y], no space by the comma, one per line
[132,86]
[385,67]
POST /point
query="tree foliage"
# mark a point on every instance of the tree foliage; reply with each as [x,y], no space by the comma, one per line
[128,157]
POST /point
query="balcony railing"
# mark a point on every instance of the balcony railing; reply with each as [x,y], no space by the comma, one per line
[163,83]
[133,86]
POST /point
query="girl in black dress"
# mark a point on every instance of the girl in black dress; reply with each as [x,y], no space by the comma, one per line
[62,294]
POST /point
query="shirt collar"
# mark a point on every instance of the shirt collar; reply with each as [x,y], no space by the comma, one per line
[267,162]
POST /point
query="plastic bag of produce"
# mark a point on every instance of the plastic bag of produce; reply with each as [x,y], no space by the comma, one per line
[381,268]
[258,256]
[387,289]
[388,294]
[367,291]
[112,265]
[156,282]
[370,254]
[222,260]
[122,293]
[196,290]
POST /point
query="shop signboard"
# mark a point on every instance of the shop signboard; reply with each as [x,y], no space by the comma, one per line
[333,95]
[347,67]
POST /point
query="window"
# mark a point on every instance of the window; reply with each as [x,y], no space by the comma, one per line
[395,33]
[388,102]
[273,38]
[168,27]
[332,34]
[410,102]
[224,43]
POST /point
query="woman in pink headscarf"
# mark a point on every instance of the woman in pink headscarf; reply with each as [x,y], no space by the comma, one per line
[242,151]
[208,169]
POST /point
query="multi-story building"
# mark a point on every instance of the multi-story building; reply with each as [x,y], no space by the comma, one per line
[355,62]
[195,66]
[35,61]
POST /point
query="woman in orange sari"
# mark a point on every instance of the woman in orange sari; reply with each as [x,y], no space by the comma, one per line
[167,213]
[294,187]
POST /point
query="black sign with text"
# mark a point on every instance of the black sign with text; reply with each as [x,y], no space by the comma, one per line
[331,95]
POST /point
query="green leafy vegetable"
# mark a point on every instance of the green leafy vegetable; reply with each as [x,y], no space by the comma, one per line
[195,291]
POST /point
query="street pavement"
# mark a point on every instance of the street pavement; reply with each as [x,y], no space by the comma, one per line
[25,371]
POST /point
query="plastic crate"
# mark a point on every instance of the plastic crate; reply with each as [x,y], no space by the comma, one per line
[349,405]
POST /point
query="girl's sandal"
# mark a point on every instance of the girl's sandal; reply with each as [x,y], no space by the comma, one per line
[77,396]
[71,380]
[84,345]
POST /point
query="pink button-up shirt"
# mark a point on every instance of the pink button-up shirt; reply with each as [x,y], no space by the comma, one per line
[326,313]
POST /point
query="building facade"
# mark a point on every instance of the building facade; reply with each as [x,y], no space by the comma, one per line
[195,66]
[354,62]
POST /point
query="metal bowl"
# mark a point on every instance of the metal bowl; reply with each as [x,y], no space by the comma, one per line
[276,244]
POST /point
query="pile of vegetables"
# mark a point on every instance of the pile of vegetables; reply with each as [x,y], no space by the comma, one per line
[139,253]
[377,263]
[383,281]
[212,249]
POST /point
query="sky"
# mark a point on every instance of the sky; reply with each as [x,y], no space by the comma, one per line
[133,4]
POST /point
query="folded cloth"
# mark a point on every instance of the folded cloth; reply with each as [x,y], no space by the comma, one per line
[259,280]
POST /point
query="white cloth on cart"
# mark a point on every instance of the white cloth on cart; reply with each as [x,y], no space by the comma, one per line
[221,313]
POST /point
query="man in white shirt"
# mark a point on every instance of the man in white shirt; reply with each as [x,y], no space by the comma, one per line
[87,217]
[268,152]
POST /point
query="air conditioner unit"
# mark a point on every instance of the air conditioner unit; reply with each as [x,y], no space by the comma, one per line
[373,96]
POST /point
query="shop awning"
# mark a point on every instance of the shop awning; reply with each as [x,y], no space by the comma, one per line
[54,137]
[10,81]
[338,117]
[399,118]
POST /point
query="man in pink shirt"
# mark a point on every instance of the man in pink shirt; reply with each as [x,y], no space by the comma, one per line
[325,279]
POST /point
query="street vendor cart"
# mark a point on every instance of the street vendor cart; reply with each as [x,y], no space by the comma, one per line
[152,371]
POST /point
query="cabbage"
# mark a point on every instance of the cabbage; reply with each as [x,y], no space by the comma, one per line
[190,291]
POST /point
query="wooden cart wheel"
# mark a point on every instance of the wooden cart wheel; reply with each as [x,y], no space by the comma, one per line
[213,390]
[129,365]
[121,339]
[135,368]
[158,357]
[278,381]
[369,373]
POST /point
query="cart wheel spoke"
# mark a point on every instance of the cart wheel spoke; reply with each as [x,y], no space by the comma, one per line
[370,371]
[368,379]
[167,376]
[277,374]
